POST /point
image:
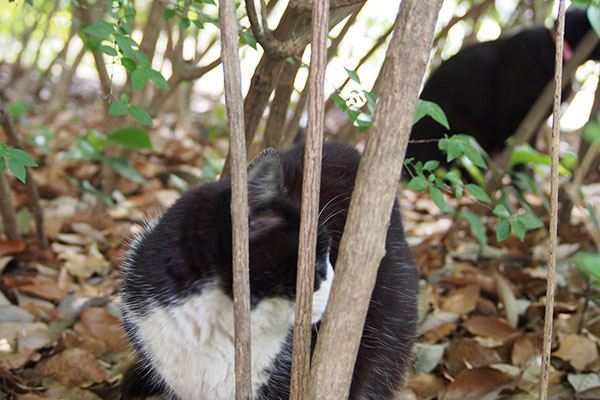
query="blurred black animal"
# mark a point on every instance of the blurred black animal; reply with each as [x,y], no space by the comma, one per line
[486,89]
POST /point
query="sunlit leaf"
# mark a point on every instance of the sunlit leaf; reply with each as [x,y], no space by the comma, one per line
[159,80]
[478,193]
[353,75]
[432,110]
[133,138]
[418,183]
[117,108]
[140,115]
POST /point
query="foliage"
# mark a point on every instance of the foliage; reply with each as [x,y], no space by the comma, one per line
[17,160]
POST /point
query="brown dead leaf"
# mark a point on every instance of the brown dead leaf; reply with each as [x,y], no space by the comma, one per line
[523,348]
[577,350]
[424,385]
[508,298]
[490,327]
[99,323]
[74,367]
[461,301]
[25,335]
[17,360]
[463,353]
[473,384]
[11,247]
[41,286]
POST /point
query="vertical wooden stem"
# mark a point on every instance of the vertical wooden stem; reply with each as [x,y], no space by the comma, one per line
[363,242]
[560,33]
[310,203]
[7,210]
[239,199]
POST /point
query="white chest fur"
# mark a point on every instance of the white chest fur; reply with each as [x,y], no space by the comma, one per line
[192,344]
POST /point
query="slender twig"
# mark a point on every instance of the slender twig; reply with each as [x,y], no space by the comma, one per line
[7,210]
[32,191]
[311,184]
[550,284]
[239,199]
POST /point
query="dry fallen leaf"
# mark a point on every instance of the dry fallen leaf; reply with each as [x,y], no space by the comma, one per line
[473,384]
[74,367]
[461,301]
[577,350]
[490,327]
[424,385]
[463,353]
[99,323]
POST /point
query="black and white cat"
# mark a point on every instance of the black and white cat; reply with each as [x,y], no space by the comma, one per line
[177,287]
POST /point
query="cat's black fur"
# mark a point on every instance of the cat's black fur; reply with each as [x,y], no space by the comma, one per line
[486,89]
[191,245]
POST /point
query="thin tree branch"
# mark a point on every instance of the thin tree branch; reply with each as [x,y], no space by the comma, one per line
[239,199]
[311,183]
[550,281]
[362,245]
[32,191]
[7,209]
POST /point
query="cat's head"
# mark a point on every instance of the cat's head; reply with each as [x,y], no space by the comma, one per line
[274,229]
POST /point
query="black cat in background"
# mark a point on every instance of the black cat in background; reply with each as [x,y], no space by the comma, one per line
[486,89]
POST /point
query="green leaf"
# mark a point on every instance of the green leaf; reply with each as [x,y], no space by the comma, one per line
[19,156]
[363,122]
[142,59]
[88,187]
[83,151]
[169,13]
[2,164]
[184,24]
[18,170]
[139,77]
[131,138]
[117,108]
[353,75]
[123,168]
[353,115]
[519,228]
[437,197]
[96,139]
[476,227]
[503,229]
[478,193]
[126,45]
[431,109]
[18,108]
[159,80]
[418,183]
[101,30]
[431,165]
[371,100]
[473,154]
[108,50]
[593,13]
[591,132]
[124,97]
[339,101]
[530,221]
[200,25]
[590,262]
[249,39]
[140,115]
[501,211]
[453,178]
[129,64]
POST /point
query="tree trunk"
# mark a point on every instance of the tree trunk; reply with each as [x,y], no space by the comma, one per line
[362,245]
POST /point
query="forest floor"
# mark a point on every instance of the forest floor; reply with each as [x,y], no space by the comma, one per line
[483,310]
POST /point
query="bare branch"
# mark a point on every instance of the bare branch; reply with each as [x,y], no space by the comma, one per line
[32,191]
[311,183]
[550,282]
[362,245]
[239,199]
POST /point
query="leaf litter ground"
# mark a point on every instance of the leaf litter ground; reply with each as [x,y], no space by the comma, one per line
[481,311]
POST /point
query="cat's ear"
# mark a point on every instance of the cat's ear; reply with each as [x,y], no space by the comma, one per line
[264,177]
